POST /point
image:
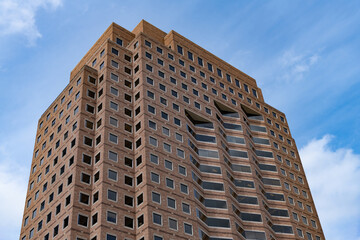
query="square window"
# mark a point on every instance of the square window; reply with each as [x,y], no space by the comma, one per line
[185,208]
[112,195]
[111,217]
[82,221]
[171,203]
[153,141]
[173,224]
[170,183]
[129,222]
[157,219]
[167,147]
[184,188]
[155,197]
[129,201]
[154,159]
[168,164]
[112,175]
[188,228]
[84,198]
[155,177]
[128,180]
[182,170]
[85,178]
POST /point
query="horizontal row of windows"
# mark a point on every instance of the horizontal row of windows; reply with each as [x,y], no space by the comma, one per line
[206,153]
[205,168]
[206,185]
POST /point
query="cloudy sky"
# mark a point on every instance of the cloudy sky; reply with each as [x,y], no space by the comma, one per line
[305,55]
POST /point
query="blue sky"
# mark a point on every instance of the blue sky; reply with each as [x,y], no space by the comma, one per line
[303,54]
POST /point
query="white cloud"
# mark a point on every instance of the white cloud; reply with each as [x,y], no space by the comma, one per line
[295,65]
[334,177]
[16,146]
[18,16]
[13,180]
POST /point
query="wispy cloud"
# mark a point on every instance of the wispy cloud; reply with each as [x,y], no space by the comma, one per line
[18,17]
[295,65]
[334,177]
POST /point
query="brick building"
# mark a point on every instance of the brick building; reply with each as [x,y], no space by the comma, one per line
[156,138]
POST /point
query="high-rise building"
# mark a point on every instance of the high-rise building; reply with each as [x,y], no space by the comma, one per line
[156,138]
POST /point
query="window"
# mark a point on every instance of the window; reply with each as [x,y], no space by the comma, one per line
[31,233]
[155,177]
[174,93]
[113,156]
[114,64]
[180,153]
[170,183]
[128,201]
[128,127]
[304,220]
[200,61]
[112,195]
[112,175]
[114,77]
[151,109]
[173,224]
[149,68]
[163,101]
[308,207]
[157,219]
[113,121]
[110,237]
[185,208]
[154,159]
[139,199]
[153,141]
[147,43]
[111,217]
[219,73]
[167,147]
[182,170]
[139,179]
[295,216]
[300,232]
[186,99]
[114,106]
[180,49]
[82,221]
[156,197]
[152,124]
[168,164]
[113,138]
[94,219]
[84,198]
[128,162]
[128,144]
[150,94]
[183,74]
[85,178]
[177,121]
[178,137]
[119,41]
[313,224]
[188,228]
[171,203]
[184,188]
[129,222]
